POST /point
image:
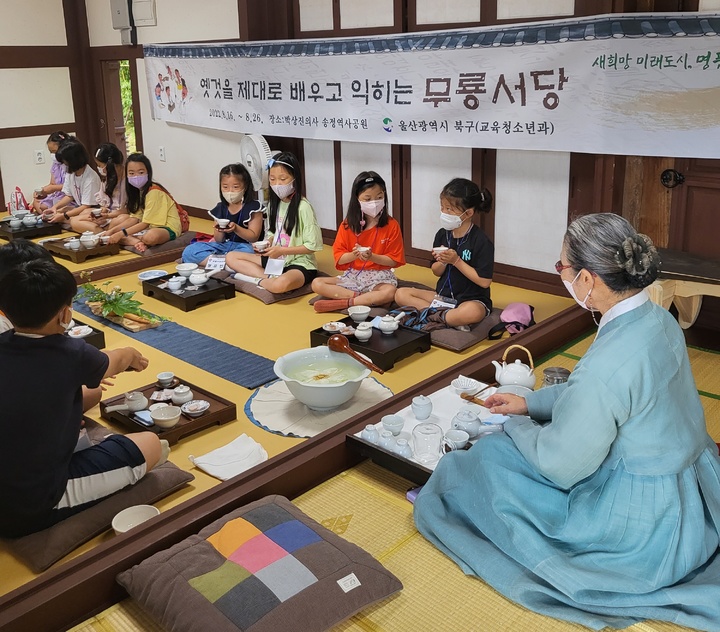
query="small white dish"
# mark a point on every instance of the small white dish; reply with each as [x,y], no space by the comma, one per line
[151,274]
[132,517]
[334,327]
[195,407]
[81,331]
[465,385]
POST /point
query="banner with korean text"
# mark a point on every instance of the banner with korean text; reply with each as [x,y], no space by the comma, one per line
[616,84]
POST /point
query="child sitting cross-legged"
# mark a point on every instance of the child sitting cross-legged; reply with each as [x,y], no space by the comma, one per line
[42,372]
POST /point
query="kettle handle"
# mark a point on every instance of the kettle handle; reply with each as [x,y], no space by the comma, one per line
[532,366]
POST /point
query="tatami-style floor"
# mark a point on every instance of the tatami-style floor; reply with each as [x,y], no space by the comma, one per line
[267,330]
[366,504]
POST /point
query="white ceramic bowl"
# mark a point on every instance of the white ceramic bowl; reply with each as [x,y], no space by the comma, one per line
[319,396]
[16,222]
[186,269]
[465,385]
[20,213]
[515,389]
[393,423]
[166,417]
[359,312]
[132,517]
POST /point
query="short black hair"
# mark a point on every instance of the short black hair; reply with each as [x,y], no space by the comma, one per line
[32,293]
[21,251]
[74,155]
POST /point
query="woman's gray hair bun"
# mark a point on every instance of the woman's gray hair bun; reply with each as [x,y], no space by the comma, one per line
[639,259]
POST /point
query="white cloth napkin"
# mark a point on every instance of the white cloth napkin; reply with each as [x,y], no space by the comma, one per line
[231,459]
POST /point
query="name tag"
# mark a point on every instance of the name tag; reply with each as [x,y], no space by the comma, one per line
[443,301]
[215,262]
[274,267]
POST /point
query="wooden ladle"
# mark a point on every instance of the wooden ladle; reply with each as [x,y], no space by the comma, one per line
[339,343]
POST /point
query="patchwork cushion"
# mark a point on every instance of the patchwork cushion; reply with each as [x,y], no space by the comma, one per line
[42,549]
[176,244]
[265,567]
[266,297]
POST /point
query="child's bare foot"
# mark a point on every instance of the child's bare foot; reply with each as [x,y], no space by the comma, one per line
[140,246]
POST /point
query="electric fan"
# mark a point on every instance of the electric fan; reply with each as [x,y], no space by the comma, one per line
[255,153]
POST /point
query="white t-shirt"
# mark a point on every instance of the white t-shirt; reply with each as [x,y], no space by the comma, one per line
[82,188]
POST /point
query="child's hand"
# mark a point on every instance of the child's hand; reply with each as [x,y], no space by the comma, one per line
[107,382]
[56,218]
[274,252]
[448,257]
[138,361]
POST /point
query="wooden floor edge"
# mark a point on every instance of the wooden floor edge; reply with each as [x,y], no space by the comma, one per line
[77,590]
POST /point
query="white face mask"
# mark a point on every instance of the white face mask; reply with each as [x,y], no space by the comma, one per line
[233,197]
[283,190]
[450,222]
[372,208]
[68,324]
[571,290]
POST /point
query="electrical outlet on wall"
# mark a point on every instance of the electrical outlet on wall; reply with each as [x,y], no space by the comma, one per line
[39,155]
[162,153]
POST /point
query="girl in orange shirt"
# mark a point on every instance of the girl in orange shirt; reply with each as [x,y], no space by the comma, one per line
[367,247]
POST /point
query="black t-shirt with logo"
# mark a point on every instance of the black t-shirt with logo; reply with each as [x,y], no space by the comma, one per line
[475,249]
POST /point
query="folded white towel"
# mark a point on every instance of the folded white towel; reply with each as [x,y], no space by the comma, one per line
[232,459]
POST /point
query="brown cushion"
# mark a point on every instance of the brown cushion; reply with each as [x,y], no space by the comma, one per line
[178,243]
[455,340]
[265,567]
[42,549]
[266,297]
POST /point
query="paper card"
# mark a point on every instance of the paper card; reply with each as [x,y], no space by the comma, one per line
[215,262]
[443,301]
[274,267]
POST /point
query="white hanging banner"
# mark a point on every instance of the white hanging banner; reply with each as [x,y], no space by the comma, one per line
[615,84]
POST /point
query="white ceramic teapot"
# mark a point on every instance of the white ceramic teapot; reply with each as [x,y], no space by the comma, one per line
[388,324]
[89,239]
[200,277]
[133,402]
[468,421]
[516,372]
[29,220]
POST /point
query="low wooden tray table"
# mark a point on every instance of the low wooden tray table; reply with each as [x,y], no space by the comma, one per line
[26,232]
[96,338]
[220,412]
[189,299]
[57,246]
[384,350]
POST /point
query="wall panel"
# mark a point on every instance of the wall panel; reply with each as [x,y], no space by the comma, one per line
[432,168]
[17,164]
[531,200]
[32,23]
[316,15]
[319,170]
[521,9]
[447,11]
[366,14]
[52,102]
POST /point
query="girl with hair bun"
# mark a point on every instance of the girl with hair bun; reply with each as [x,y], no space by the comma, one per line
[111,198]
[600,503]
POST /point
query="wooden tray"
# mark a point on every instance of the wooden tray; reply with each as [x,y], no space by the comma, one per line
[57,246]
[384,350]
[189,299]
[402,467]
[221,411]
[26,232]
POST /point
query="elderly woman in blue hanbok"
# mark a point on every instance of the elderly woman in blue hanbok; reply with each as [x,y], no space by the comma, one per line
[601,503]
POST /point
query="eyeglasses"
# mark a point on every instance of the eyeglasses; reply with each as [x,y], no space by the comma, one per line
[559,267]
